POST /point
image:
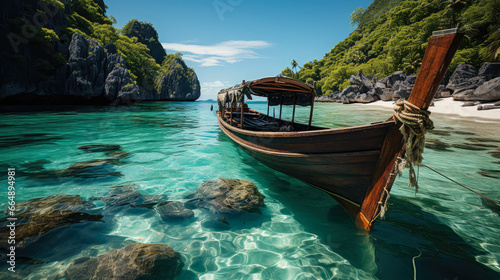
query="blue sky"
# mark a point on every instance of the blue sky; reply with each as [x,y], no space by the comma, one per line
[227,41]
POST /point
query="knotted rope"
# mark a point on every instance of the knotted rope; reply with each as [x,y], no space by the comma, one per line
[417,121]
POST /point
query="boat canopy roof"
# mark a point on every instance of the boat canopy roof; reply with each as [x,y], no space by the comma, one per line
[278,90]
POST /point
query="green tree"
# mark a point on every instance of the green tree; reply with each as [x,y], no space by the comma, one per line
[357,17]
[453,7]
[294,67]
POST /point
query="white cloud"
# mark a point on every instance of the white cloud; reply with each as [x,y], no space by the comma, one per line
[209,90]
[218,54]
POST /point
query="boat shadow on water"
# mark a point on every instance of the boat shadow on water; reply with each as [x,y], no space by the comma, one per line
[408,230]
[387,251]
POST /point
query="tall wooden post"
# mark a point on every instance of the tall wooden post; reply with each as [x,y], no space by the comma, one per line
[281,106]
[438,55]
[231,116]
[242,104]
[313,95]
[242,110]
[294,103]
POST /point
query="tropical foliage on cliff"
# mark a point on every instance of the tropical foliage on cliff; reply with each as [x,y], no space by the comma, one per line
[53,23]
[89,19]
[392,35]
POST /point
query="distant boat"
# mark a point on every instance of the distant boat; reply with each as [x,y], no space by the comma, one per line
[354,164]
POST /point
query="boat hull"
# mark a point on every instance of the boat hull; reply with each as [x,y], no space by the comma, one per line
[340,162]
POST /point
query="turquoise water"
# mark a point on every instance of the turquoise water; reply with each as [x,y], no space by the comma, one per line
[301,234]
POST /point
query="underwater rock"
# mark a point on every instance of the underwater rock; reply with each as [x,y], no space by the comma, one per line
[92,168]
[173,210]
[493,206]
[436,144]
[57,202]
[495,154]
[470,146]
[85,169]
[463,132]
[128,195]
[482,139]
[41,215]
[439,132]
[99,148]
[117,154]
[490,173]
[230,196]
[135,261]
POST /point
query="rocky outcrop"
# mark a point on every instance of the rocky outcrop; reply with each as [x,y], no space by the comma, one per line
[465,84]
[180,83]
[487,91]
[94,73]
[135,261]
[49,67]
[468,84]
[146,34]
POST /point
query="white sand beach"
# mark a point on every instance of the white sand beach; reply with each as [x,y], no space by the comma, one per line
[449,107]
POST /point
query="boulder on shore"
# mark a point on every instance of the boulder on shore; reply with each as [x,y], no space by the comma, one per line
[135,261]
[488,91]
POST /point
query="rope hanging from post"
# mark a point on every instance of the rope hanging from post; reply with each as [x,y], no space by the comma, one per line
[415,122]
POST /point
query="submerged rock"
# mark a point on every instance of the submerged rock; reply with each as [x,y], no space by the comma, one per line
[38,216]
[436,144]
[173,210]
[117,154]
[86,169]
[495,154]
[128,195]
[439,132]
[135,261]
[229,196]
[92,168]
[490,173]
[482,139]
[99,148]
[493,206]
[470,146]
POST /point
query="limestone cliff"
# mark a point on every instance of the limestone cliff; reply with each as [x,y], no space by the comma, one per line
[68,52]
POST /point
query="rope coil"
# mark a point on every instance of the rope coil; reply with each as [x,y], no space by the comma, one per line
[417,122]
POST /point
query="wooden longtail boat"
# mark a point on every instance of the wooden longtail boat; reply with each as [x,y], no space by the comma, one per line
[354,165]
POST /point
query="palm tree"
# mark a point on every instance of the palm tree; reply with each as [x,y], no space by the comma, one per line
[294,66]
[411,65]
[454,6]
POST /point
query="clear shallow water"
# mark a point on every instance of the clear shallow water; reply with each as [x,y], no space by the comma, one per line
[301,234]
